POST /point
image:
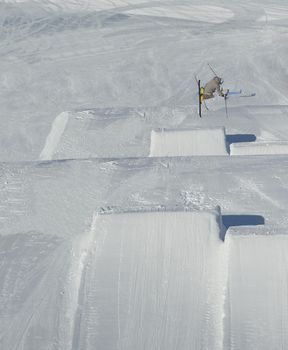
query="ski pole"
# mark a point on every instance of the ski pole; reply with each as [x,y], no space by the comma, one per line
[226,108]
[212,70]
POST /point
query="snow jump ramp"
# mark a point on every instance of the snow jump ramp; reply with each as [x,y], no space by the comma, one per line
[54,137]
[154,280]
[188,142]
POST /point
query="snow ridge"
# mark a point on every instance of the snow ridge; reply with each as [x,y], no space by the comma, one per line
[80,250]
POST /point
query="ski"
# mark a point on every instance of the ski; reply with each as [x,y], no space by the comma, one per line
[240,93]
[205,105]
[200,92]
[234,92]
[248,95]
[199,99]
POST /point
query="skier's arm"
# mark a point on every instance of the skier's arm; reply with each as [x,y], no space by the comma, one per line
[219,91]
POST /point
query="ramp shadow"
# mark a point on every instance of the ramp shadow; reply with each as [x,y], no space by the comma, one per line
[237,138]
[240,220]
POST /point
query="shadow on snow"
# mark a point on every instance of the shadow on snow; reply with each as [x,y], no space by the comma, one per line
[240,220]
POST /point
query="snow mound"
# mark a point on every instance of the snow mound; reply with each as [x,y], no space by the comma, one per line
[202,13]
[259,148]
[257,309]
[274,13]
[189,142]
[150,279]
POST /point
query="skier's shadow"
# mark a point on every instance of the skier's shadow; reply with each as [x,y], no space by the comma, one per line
[240,220]
[238,138]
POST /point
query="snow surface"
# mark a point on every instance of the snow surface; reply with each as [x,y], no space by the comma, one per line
[210,14]
[169,265]
[102,245]
[91,132]
[260,148]
[189,142]
[260,258]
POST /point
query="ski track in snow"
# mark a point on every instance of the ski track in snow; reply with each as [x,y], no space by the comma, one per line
[254,188]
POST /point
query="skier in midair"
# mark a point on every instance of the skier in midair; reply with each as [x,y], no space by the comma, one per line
[211,87]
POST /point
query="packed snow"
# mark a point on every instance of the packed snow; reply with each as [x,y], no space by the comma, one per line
[203,13]
[257,285]
[188,142]
[54,136]
[169,265]
[127,221]
[260,148]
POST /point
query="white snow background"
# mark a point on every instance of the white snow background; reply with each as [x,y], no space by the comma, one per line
[128,222]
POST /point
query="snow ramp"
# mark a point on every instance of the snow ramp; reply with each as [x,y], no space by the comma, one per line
[188,142]
[257,311]
[259,148]
[54,137]
[154,280]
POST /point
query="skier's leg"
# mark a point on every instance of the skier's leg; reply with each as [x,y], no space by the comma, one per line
[207,97]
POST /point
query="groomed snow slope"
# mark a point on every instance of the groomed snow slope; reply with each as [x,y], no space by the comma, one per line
[153,281]
[132,281]
[81,266]
[33,270]
[121,69]
[257,303]
[189,142]
[203,13]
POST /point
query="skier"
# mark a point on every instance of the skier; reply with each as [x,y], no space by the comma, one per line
[211,87]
